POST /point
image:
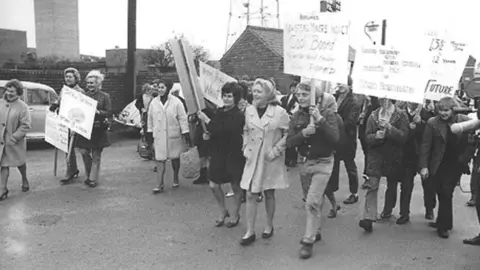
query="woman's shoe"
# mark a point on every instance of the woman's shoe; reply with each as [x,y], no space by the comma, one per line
[333,212]
[247,241]
[92,184]
[158,189]
[260,198]
[266,235]
[4,195]
[219,223]
[25,188]
[174,185]
[233,224]
[70,179]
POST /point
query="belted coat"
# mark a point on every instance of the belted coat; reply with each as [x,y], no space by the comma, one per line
[15,121]
[263,139]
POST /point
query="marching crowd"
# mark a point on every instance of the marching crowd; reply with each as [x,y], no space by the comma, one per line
[254,137]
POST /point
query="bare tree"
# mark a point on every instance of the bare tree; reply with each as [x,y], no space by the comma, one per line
[162,56]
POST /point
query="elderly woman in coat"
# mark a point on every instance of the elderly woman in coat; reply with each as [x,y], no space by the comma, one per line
[14,124]
[72,79]
[168,122]
[264,143]
[91,150]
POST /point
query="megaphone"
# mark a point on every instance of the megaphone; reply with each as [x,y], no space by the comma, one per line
[472,90]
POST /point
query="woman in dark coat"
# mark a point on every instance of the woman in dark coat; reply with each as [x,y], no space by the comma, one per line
[386,134]
[92,149]
[225,129]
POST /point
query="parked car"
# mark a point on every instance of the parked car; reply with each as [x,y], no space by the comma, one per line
[38,97]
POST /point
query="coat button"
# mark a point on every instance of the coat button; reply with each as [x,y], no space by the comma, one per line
[3,124]
[1,143]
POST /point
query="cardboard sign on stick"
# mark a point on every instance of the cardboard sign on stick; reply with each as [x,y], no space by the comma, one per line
[188,76]
[212,81]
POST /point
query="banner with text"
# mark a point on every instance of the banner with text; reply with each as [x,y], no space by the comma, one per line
[316,46]
[384,72]
[212,81]
[449,58]
[77,111]
[56,133]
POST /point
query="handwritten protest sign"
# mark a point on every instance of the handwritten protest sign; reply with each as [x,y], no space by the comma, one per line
[77,111]
[316,46]
[212,81]
[391,73]
[56,133]
[449,58]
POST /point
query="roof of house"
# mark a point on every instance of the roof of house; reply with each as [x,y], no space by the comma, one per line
[273,39]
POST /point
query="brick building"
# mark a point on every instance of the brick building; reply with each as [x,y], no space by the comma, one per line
[259,52]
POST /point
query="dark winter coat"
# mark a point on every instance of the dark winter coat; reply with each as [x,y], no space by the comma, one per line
[227,160]
[385,156]
[99,138]
[349,110]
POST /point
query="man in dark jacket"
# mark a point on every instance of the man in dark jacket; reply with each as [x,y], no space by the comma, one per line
[315,142]
[290,104]
[349,110]
[444,157]
[411,152]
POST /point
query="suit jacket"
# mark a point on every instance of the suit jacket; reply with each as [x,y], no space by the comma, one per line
[434,143]
[349,110]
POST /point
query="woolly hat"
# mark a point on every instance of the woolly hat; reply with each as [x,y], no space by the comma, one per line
[75,72]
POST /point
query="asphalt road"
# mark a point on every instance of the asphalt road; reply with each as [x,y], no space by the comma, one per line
[121,225]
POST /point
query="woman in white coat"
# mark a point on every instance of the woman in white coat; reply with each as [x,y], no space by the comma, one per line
[167,121]
[264,143]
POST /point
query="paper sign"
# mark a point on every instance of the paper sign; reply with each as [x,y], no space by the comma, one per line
[391,73]
[212,81]
[77,111]
[316,46]
[449,58]
[56,133]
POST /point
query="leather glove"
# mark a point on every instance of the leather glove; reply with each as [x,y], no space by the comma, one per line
[54,107]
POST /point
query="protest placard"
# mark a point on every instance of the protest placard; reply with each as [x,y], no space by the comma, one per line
[56,133]
[384,72]
[77,111]
[316,45]
[449,58]
[212,81]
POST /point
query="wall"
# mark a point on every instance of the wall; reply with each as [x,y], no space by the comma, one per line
[249,56]
[114,84]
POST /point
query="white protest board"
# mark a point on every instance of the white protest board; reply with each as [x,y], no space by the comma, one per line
[212,81]
[316,45]
[398,74]
[56,133]
[449,58]
[77,111]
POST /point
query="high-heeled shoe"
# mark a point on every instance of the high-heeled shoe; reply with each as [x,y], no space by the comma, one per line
[69,180]
[25,188]
[247,241]
[266,235]
[219,223]
[4,195]
[175,185]
[233,224]
[158,189]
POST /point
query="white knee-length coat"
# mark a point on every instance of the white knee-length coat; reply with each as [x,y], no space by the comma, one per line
[264,142]
[167,122]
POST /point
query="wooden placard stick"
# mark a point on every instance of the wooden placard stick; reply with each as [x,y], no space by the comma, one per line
[313,99]
[188,76]
[55,162]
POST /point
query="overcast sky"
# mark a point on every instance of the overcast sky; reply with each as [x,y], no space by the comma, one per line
[103,23]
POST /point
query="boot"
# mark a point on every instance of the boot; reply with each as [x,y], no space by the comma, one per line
[202,179]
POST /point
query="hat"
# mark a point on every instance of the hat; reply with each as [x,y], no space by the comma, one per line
[75,72]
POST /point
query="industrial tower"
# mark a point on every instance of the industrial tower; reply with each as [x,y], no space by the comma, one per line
[264,13]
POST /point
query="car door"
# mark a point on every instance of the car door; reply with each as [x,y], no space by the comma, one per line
[38,101]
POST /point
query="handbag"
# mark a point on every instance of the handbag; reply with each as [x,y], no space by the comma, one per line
[190,163]
[143,149]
